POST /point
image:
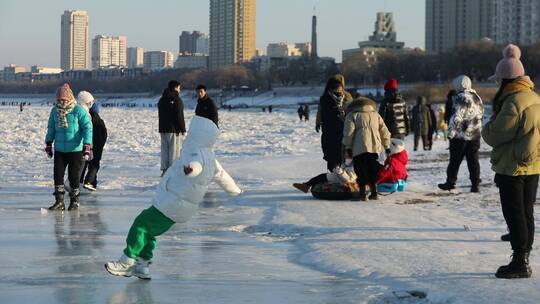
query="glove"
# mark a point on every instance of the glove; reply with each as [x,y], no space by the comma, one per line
[187,170]
[49,150]
[317,128]
[86,152]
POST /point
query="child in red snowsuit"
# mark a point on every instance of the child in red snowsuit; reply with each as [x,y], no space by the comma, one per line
[395,166]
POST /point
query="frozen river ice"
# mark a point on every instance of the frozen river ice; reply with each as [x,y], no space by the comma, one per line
[270,245]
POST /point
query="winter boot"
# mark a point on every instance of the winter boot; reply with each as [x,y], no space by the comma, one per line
[517,269]
[74,200]
[373,192]
[505,237]
[142,270]
[59,198]
[361,195]
[474,188]
[447,186]
[89,186]
[123,267]
[302,187]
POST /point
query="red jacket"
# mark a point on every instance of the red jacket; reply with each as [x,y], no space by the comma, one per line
[395,167]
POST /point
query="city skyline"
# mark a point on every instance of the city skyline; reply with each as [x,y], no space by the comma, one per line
[160,33]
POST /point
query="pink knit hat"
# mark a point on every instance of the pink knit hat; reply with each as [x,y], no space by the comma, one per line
[64,93]
[510,67]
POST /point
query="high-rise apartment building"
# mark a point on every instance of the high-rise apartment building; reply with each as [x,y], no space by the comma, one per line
[74,40]
[232,32]
[156,60]
[450,23]
[191,43]
[108,51]
[135,57]
[516,21]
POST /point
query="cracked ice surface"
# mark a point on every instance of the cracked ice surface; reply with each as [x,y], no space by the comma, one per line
[270,245]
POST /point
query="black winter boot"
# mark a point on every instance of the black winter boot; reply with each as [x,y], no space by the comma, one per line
[505,237]
[517,269]
[58,198]
[74,200]
[447,186]
[361,195]
[373,192]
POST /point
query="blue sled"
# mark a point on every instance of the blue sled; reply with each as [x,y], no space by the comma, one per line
[398,186]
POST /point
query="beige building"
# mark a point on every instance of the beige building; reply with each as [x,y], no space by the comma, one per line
[516,21]
[192,61]
[74,40]
[450,23]
[135,57]
[232,32]
[384,39]
[283,50]
[156,60]
[109,51]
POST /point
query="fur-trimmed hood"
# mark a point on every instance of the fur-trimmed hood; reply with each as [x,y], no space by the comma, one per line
[362,104]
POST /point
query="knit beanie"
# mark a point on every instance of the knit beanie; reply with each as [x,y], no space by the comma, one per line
[391,84]
[396,146]
[64,93]
[510,67]
[85,99]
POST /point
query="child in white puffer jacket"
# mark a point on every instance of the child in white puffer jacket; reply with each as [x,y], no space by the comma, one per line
[177,197]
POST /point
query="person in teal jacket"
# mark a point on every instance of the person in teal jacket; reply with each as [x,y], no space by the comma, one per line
[70,128]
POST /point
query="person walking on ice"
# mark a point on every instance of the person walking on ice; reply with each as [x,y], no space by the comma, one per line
[70,129]
[176,199]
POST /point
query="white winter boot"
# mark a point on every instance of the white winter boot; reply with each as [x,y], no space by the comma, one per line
[123,267]
[142,269]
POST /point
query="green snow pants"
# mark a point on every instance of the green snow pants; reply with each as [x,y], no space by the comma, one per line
[141,239]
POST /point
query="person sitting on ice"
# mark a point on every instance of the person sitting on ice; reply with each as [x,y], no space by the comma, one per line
[176,199]
[343,176]
[395,166]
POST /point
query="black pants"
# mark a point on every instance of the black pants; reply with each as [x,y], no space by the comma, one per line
[89,172]
[460,148]
[518,194]
[425,141]
[321,178]
[367,169]
[73,161]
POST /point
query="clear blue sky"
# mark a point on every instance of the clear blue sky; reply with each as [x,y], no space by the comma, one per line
[30,29]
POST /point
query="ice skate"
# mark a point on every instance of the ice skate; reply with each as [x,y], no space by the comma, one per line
[142,270]
[74,200]
[123,267]
[59,199]
[89,187]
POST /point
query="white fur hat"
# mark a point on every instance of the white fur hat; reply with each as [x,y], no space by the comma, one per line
[85,99]
[396,146]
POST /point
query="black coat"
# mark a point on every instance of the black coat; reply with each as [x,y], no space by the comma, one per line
[171,113]
[207,108]
[99,134]
[393,110]
[332,121]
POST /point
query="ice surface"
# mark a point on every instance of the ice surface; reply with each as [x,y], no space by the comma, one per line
[273,244]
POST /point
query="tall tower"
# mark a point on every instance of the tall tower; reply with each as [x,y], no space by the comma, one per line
[232,32]
[314,53]
[74,44]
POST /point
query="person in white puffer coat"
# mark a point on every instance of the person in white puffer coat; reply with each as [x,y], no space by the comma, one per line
[177,197]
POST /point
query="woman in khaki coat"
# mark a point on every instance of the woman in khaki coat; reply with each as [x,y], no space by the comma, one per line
[365,136]
[514,133]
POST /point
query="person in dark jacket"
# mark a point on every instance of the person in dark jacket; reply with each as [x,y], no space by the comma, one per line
[206,106]
[421,122]
[300,112]
[432,127]
[172,126]
[393,110]
[332,111]
[99,138]
[306,112]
